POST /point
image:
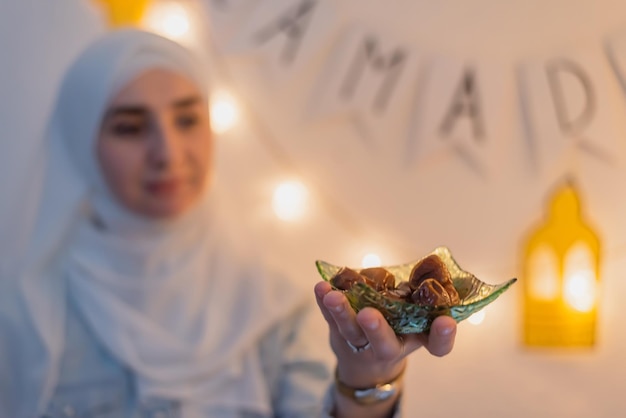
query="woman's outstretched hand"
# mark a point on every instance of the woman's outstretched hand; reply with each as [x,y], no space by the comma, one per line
[367,349]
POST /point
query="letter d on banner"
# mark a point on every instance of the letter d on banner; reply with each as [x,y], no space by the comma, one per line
[566,103]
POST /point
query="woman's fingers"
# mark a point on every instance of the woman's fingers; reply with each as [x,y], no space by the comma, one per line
[339,314]
[370,327]
[321,289]
[440,340]
[381,336]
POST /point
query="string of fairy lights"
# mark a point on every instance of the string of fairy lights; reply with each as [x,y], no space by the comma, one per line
[175,19]
[291,198]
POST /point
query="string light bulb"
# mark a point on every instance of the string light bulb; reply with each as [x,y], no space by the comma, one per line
[170,19]
[370,260]
[477,318]
[224,111]
[290,200]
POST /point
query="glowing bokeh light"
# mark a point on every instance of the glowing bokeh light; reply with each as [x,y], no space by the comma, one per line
[477,318]
[580,290]
[290,201]
[224,111]
[169,19]
[370,260]
[543,272]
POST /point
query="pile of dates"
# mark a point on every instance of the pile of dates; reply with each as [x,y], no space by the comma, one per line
[429,283]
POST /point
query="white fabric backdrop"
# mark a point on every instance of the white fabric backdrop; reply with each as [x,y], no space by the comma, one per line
[365,197]
[37,41]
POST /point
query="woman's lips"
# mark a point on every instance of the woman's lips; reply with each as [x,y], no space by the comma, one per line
[164,188]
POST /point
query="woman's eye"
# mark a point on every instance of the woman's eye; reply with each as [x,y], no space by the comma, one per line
[127,129]
[187,121]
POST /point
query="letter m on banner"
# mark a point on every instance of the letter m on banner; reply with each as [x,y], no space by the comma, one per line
[371,78]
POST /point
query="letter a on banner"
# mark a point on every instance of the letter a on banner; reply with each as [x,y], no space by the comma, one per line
[372,79]
[457,114]
[566,101]
[286,33]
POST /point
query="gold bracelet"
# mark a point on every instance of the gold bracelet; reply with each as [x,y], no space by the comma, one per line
[368,396]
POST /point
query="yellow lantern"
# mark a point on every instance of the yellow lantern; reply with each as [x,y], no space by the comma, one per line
[561,277]
[125,12]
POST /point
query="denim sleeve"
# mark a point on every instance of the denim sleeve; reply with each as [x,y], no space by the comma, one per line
[92,383]
[329,403]
[302,384]
[297,363]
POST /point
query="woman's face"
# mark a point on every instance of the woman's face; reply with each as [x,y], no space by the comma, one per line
[155,144]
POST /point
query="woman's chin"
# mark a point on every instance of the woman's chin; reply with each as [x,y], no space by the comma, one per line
[164,211]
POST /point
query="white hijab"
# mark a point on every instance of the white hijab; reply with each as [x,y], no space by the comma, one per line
[171,300]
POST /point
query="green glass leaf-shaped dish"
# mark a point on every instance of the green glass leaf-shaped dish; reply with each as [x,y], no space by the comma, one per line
[406,317]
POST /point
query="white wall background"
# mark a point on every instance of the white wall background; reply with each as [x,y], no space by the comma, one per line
[38,39]
[365,197]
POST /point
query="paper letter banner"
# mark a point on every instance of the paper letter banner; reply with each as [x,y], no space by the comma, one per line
[285,33]
[565,99]
[415,109]
[371,79]
[457,113]
[617,54]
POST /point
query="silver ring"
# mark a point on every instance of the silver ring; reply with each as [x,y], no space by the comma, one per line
[356,349]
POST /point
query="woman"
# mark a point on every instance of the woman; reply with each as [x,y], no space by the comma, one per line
[137,303]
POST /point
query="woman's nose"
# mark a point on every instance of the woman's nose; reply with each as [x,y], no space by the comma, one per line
[165,146]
